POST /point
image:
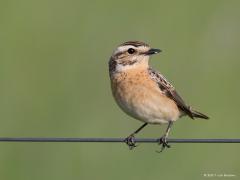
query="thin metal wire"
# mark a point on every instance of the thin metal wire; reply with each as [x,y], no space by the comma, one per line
[112,140]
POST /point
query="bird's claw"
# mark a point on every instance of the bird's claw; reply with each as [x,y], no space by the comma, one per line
[130,141]
[164,143]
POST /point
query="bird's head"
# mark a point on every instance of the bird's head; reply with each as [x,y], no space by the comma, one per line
[131,54]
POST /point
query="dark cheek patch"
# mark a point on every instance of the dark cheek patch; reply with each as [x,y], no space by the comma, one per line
[112,65]
[120,59]
[124,63]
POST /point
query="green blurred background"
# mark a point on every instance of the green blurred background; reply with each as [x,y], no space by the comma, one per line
[54,83]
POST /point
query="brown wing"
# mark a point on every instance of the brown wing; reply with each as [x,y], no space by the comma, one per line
[170,91]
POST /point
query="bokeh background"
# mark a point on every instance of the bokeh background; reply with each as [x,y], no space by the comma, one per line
[54,83]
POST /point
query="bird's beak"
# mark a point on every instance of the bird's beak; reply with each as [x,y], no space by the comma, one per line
[153,51]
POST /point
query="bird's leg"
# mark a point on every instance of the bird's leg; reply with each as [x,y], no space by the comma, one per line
[130,139]
[163,139]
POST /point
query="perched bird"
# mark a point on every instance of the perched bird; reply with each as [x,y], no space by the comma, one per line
[144,93]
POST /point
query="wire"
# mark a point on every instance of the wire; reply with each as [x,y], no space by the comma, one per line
[112,140]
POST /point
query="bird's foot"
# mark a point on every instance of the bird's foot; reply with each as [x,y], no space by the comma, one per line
[130,141]
[164,143]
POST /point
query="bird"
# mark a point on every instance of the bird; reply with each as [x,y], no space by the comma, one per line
[144,93]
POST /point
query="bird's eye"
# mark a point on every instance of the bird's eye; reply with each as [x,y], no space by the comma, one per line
[131,50]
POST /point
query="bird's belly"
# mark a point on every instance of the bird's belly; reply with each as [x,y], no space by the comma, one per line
[146,102]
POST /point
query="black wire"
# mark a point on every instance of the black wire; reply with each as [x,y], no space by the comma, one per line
[111,140]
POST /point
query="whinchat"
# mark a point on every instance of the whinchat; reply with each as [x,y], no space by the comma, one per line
[144,93]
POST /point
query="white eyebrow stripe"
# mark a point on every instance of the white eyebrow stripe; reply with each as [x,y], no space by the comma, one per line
[123,48]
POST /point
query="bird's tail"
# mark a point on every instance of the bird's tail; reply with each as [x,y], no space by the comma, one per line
[198,114]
